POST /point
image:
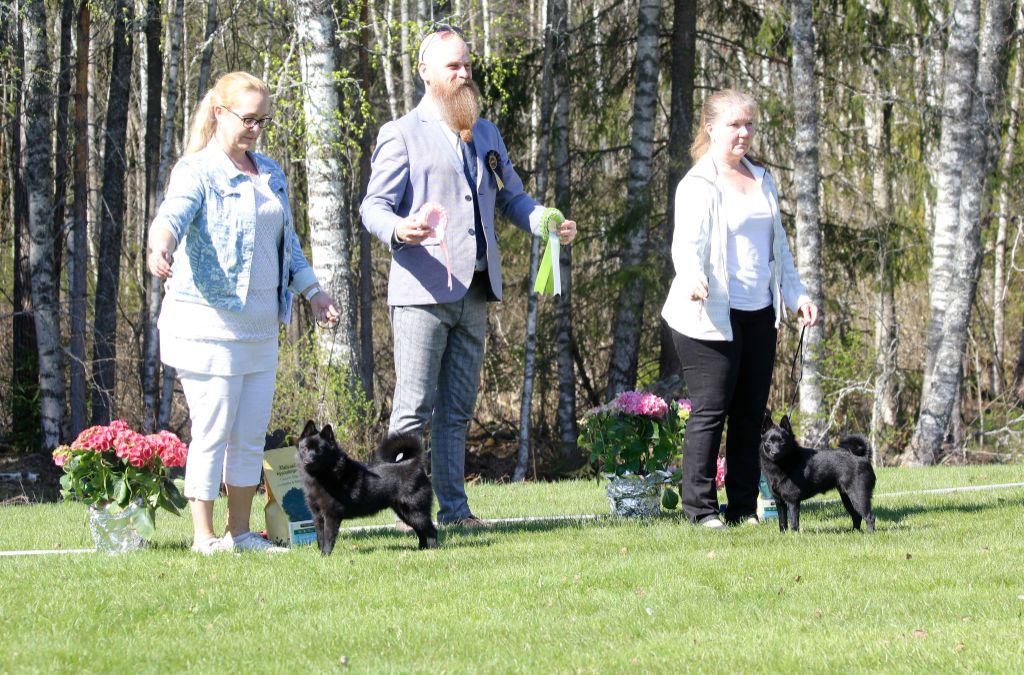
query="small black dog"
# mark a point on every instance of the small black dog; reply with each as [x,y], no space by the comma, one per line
[796,473]
[339,487]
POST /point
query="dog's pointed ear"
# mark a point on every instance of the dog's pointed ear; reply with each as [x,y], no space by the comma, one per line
[784,423]
[327,433]
[308,430]
[766,421]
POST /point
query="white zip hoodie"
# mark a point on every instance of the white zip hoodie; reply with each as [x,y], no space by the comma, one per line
[699,254]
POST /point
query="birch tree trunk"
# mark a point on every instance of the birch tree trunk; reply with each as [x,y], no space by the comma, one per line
[383,36]
[540,192]
[407,56]
[977,161]
[680,136]
[366,358]
[878,114]
[330,224]
[806,176]
[38,129]
[158,405]
[78,246]
[154,91]
[25,356]
[207,57]
[961,61]
[104,353]
[622,370]
[61,152]
[568,431]
[485,17]
[1006,184]
[885,404]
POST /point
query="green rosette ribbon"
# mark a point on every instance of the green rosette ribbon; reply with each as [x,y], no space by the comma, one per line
[549,276]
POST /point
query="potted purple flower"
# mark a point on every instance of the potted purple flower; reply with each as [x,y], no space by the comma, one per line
[637,440]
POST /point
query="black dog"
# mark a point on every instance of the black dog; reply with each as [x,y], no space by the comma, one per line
[795,473]
[339,487]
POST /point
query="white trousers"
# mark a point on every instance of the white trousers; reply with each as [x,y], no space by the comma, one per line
[229,415]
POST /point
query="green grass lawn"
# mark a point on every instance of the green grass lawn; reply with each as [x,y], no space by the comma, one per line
[939,588]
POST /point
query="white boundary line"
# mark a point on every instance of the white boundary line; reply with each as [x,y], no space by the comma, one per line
[58,551]
[580,516]
[953,490]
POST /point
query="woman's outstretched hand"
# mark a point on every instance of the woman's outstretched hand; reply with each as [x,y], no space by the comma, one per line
[159,263]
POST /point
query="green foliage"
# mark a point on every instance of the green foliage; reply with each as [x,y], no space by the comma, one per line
[309,388]
[625,442]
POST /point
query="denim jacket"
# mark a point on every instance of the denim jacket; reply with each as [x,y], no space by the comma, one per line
[210,209]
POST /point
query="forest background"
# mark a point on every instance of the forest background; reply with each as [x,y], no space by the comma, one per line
[890,125]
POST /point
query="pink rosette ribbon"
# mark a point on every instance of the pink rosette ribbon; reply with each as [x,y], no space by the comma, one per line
[436,218]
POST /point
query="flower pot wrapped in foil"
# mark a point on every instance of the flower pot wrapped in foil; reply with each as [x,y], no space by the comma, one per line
[112,528]
[632,495]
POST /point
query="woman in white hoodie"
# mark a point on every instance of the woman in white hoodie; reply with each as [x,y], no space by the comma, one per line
[734,277]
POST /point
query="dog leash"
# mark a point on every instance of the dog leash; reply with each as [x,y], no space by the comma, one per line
[330,358]
[794,374]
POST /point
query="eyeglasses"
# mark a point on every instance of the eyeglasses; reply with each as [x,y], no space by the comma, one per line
[439,31]
[251,123]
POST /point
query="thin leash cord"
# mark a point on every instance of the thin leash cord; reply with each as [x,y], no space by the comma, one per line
[326,380]
[796,375]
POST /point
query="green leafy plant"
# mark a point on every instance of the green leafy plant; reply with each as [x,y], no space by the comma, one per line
[638,433]
[115,466]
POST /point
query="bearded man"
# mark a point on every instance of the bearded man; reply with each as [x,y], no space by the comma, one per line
[440,282]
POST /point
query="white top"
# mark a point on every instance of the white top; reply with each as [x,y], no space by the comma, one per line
[699,254]
[748,248]
[202,339]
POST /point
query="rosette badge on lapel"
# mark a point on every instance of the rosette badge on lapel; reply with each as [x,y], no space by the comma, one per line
[494,164]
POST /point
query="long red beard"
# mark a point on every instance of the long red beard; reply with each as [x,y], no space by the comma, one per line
[459,104]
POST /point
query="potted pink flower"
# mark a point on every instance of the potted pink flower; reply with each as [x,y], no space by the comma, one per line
[637,439]
[124,477]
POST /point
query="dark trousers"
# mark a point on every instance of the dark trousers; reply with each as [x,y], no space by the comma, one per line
[726,381]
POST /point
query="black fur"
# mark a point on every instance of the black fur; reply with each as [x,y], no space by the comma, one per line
[339,487]
[796,473]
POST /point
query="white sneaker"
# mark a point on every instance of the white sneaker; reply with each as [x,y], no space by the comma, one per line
[712,523]
[250,541]
[211,546]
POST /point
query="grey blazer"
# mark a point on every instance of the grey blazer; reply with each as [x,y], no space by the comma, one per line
[414,163]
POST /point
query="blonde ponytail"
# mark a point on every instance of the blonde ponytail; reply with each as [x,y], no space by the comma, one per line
[223,93]
[713,108]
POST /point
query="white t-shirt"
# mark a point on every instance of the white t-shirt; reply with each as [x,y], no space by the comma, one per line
[203,339]
[749,248]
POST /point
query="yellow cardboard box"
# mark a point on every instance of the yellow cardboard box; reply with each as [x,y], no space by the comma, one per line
[289,521]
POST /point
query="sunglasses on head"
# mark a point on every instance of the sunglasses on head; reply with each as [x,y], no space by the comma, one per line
[439,31]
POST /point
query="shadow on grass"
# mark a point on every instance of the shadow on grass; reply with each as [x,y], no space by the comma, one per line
[487,536]
[897,514]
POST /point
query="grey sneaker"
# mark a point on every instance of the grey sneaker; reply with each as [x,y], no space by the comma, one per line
[211,546]
[250,541]
[712,523]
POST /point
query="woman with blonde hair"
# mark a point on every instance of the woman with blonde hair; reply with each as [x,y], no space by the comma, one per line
[224,240]
[734,278]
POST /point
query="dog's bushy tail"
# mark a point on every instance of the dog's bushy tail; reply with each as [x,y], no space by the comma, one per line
[856,444]
[400,447]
